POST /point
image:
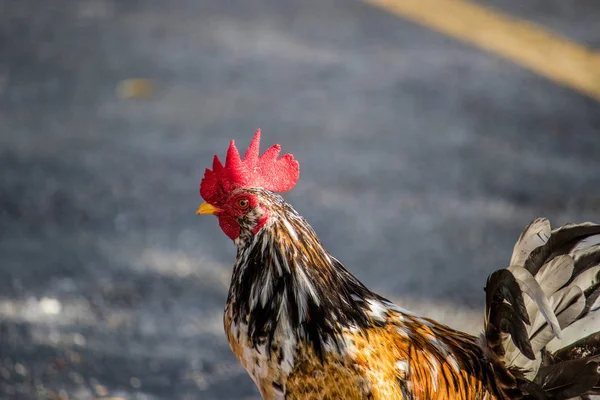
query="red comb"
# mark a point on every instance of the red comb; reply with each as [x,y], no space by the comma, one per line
[266,171]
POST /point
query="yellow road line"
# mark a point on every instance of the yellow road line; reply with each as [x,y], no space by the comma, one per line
[522,42]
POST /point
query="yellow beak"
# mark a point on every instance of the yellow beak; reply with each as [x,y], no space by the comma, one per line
[206,208]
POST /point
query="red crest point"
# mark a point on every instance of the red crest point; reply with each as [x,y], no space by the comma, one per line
[267,172]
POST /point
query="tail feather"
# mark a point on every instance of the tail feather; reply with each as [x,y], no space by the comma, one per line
[555,340]
[587,279]
[537,297]
[586,257]
[563,240]
[535,235]
[579,329]
[592,299]
[505,314]
[589,346]
[569,379]
[568,304]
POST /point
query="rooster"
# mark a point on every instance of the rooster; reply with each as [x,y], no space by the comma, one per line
[305,328]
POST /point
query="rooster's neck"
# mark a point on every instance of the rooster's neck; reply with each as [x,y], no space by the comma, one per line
[284,279]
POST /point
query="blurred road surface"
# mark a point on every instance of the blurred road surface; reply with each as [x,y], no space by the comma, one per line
[422,159]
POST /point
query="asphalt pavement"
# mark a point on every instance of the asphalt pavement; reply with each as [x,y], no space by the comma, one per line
[421,161]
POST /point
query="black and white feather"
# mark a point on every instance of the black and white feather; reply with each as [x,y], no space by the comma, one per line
[550,328]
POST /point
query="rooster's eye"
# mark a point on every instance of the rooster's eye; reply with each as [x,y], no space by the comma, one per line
[243,203]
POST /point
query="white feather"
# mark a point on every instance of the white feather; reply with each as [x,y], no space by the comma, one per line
[290,228]
[596,305]
[534,236]
[554,274]
[588,278]
[533,289]
[578,330]
[587,242]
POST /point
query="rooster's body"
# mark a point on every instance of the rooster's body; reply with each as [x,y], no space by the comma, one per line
[305,328]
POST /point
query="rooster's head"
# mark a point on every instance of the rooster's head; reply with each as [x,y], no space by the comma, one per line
[238,193]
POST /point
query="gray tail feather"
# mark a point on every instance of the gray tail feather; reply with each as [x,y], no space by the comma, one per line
[552,334]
